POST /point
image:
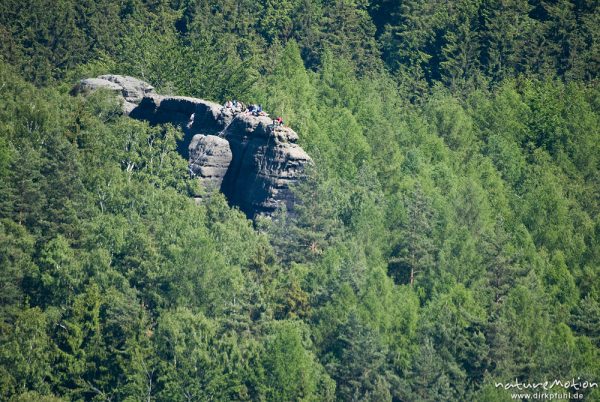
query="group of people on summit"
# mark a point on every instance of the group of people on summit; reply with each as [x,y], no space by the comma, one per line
[254,109]
[235,105]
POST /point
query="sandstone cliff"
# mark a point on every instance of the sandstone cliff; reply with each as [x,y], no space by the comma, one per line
[252,161]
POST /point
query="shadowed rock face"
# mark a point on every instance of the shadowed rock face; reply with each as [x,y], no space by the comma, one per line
[265,161]
[193,116]
[249,159]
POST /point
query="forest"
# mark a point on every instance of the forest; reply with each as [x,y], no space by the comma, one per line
[446,240]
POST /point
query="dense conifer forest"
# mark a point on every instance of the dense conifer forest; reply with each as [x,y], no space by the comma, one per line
[446,240]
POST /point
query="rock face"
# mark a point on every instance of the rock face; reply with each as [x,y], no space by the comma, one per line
[194,116]
[210,157]
[133,90]
[252,161]
[266,161]
[92,84]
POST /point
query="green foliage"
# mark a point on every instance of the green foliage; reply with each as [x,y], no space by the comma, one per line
[27,354]
[291,373]
[445,238]
[46,38]
[287,91]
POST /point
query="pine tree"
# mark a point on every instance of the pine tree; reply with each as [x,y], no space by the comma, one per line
[414,255]
[507,34]
[357,361]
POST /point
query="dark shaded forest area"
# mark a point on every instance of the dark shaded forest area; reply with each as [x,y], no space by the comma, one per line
[456,143]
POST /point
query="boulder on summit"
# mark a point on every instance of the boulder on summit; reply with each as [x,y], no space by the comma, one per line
[130,90]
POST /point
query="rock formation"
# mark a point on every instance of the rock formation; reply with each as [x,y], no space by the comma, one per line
[129,89]
[250,159]
[266,161]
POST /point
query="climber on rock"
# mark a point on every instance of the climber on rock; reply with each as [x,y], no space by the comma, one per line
[278,122]
[261,112]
